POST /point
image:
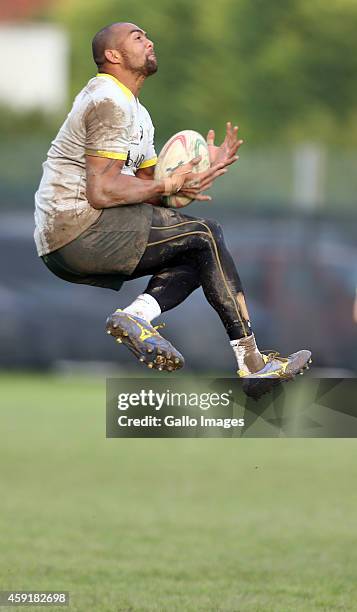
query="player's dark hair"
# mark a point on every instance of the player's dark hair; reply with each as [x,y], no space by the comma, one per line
[102,40]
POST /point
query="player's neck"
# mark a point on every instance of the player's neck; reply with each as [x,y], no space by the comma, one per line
[131,80]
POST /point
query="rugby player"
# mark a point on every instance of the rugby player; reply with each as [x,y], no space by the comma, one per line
[101,217]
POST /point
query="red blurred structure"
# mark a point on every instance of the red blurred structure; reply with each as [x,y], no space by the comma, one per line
[20,10]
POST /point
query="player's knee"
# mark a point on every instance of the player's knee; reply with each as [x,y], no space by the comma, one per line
[215,229]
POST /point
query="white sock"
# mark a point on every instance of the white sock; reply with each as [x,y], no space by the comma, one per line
[145,306]
[248,357]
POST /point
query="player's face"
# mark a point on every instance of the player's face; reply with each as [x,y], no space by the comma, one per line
[138,53]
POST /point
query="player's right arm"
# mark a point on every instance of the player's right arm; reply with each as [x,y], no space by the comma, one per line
[108,187]
[107,143]
[107,140]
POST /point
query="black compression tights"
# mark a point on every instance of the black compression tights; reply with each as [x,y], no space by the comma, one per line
[184,253]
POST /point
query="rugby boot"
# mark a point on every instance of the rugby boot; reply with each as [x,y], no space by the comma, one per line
[276,370]
[144,341]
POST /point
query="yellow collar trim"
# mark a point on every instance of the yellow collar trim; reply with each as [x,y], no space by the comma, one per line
[129,94]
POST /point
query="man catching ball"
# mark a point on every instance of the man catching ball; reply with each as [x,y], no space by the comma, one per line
[101,217]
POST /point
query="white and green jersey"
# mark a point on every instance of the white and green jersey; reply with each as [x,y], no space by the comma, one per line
[106,120]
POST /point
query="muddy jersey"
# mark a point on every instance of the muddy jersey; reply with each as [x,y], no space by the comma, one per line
[106,120]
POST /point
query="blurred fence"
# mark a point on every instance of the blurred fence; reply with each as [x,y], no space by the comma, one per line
[297,263]
[299,273]
[265,178]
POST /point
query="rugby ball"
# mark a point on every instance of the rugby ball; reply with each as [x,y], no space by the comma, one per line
[180,149]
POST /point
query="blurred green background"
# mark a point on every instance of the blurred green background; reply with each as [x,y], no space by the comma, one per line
[283,70]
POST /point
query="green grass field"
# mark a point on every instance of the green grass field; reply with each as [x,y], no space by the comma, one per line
[177,524]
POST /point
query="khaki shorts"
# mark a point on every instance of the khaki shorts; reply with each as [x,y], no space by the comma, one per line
[107,253]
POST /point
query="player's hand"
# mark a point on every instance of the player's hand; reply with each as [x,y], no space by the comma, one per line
[227,152]
[197,182]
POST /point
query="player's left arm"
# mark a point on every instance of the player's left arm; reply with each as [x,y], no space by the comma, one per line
[226,153]
[146,174]
[229,147]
